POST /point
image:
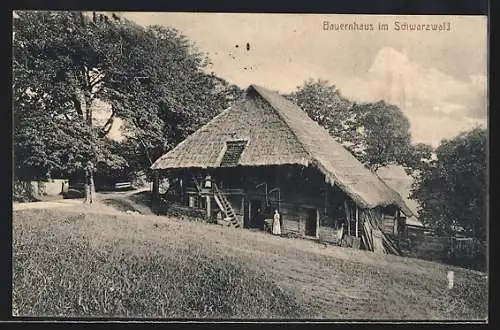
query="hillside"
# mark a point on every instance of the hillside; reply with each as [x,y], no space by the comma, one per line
[100,262]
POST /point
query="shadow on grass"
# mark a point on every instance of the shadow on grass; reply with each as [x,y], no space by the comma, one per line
[118,204]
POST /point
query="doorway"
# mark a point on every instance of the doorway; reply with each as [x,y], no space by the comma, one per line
[311,222]
[256,214]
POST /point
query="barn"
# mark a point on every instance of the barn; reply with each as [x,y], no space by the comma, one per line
[263,154]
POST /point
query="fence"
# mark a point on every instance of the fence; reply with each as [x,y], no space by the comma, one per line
[466,252]
[463,246]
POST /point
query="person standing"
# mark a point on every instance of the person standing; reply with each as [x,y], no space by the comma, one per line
[276,223]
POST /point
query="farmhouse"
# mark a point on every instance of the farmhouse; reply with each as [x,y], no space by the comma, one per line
[263,154]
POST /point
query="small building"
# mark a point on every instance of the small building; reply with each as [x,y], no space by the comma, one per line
[263,154]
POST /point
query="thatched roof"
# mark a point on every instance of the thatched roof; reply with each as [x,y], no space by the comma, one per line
[278,132]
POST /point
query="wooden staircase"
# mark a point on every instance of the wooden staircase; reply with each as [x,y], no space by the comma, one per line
[230,219]
[198,185]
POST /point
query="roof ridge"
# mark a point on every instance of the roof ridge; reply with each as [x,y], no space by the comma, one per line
[308,152]
[306,149]
[256,88]
[263,91]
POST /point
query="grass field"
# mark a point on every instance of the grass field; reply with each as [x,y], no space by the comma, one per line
[86,261]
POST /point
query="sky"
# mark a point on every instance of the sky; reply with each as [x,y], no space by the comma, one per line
[437,78]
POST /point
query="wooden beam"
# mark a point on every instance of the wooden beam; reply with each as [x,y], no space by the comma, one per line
[219,203]
[242,211]
[317,223]
[326,200]
[357,221]
[396,223]
[348,218]
[209,207]
[249,211]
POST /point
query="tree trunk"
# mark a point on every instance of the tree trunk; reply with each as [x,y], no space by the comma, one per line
[89,185]
[88,108]
[92,187]
[156,192]
[89,175]
[88,190]
[156,184]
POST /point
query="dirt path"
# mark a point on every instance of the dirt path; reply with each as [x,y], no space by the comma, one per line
[96,205]
[46,205]
[120,194]
[124,198]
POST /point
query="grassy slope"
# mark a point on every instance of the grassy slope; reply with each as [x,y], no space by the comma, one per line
[71,263]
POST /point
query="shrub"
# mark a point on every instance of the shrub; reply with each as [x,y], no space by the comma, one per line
[23,192]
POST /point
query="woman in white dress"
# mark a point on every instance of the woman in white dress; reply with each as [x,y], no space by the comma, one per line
[276,223]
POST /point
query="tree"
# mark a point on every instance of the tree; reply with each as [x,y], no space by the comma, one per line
[384,137]
[453,189]
[153,78]
[60,61]
[323,103]
[377,134]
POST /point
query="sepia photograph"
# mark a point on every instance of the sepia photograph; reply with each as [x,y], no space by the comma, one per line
[249,166]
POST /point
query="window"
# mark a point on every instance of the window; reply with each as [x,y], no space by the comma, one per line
[233,152]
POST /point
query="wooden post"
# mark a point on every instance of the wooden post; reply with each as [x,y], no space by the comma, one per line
[242,211]
[396,223]
[357,221]
[249,212]
[209,207]
[282,223]
[181,184]
[317,223]
[348,218]
[266,194]
[278,181]
[326,200]
[279,200]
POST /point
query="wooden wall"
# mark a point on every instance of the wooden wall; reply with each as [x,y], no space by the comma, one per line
[300,190]
[328,233]
[297,200]
[293,218]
